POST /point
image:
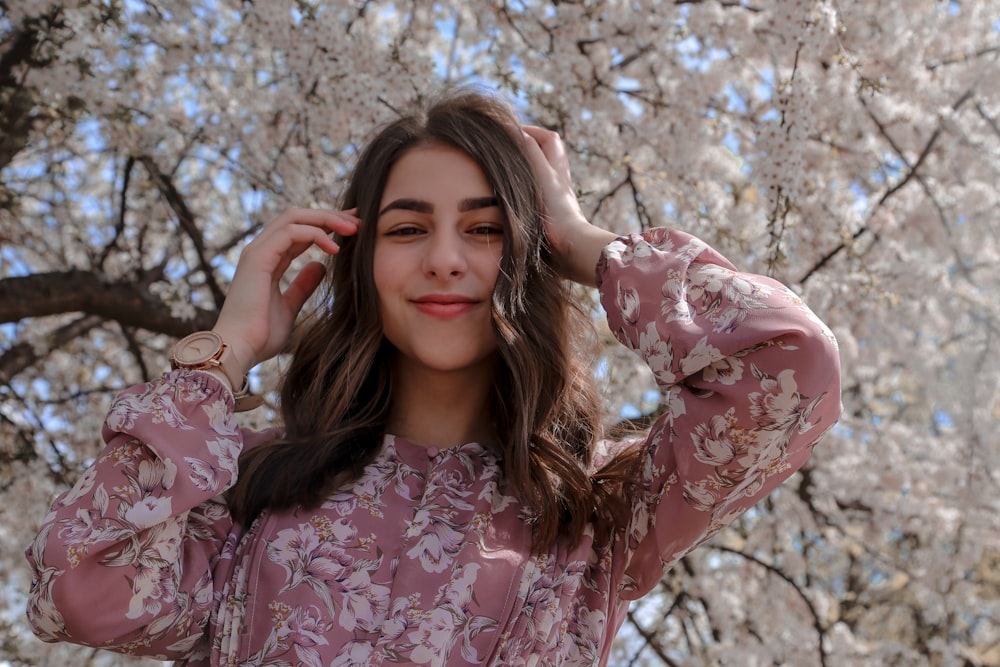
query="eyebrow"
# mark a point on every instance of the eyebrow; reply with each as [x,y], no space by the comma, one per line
[420,206]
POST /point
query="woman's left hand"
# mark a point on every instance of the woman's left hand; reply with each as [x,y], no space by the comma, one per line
[576,244]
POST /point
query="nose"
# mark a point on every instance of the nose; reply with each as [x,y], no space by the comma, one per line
[445,257]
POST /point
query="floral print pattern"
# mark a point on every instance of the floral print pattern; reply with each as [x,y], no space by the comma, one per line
[426,559]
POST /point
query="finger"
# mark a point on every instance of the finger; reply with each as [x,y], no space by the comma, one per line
[548,141]
[273,253]
[303,286]
[536,156]
[320,239]
[341,222]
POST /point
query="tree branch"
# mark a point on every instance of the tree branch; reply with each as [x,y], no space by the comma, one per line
[186,220]
[817,622]
[128,303]
[19,112]
[23,355]
[913,173]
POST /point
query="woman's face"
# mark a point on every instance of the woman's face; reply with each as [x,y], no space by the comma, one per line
[438,244]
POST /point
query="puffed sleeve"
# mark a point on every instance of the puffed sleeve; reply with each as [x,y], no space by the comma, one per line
[750,379]
[126,559]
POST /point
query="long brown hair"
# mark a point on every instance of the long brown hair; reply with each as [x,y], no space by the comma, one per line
[335,399]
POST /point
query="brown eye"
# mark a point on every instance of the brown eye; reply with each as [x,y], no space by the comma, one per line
[488,230]
[404,231]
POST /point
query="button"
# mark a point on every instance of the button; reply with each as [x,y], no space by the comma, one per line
[432,451]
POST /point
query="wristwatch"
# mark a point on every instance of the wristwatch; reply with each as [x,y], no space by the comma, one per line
[205,350]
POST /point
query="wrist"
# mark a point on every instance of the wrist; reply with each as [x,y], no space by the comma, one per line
[207,351]
[582,252]
[240,357]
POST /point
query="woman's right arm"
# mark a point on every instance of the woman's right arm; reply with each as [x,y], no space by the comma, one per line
[125,558]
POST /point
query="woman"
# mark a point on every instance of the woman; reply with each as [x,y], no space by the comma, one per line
[439,491]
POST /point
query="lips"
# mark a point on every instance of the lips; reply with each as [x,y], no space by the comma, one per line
[444,306]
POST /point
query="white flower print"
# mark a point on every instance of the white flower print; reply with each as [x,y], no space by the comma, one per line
[660,239]
[690,251]
[397,621]
[432,637]
[154,475]
[439,542]
[628,303]
[587,632]
[615,250]
[153,585]
[626,253]
[450,620]
[45,616]
[658,354]
[673,399]
[725,296]
[306,631]
[79,490]
[310,559]
[212,475]
[779,399]
[675,306]
[221,419]
[157,403]
[353,653]
[87,526]
[698,496]
[368,491]
[727,371]
[148,512]
[712,444]
[704,354]
[713,365]
[766,453]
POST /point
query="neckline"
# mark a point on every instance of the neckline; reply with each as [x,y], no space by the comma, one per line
[407,449]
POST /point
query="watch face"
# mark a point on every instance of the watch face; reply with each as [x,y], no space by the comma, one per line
[198,348]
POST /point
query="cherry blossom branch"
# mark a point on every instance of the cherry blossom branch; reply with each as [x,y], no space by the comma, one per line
[128,333]
[958,60]
[725,4]
[817,622]
[24,355]
[990,120]
[777,218]
[911,175]
[126,302]
[122,208]
[650,639]
[19,109]
[185,218]
[26,449]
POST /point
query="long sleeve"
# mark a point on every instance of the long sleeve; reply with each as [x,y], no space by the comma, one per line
[125,558]
[750,379]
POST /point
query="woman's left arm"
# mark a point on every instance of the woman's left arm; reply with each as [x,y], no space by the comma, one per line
[750,376]
[750,379]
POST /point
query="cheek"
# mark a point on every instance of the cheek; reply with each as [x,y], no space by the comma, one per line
[495,262]
[381,272]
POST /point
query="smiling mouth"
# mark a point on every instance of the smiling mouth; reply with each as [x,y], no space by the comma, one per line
[444,306]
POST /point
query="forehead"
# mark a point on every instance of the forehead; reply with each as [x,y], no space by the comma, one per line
[436,173]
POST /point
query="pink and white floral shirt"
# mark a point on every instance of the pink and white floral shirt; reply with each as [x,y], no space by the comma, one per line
[426,559]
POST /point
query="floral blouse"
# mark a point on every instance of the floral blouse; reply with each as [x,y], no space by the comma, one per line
[426,559]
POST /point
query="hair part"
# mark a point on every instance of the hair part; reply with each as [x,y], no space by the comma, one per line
[336,394]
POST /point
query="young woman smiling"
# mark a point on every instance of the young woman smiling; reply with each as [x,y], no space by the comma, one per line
[439,490]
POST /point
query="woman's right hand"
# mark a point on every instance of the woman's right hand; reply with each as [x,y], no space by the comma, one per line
[257,317]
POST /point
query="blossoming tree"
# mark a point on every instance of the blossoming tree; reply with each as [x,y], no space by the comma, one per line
[850,149]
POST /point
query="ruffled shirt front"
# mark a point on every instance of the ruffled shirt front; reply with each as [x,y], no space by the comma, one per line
[426,559]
